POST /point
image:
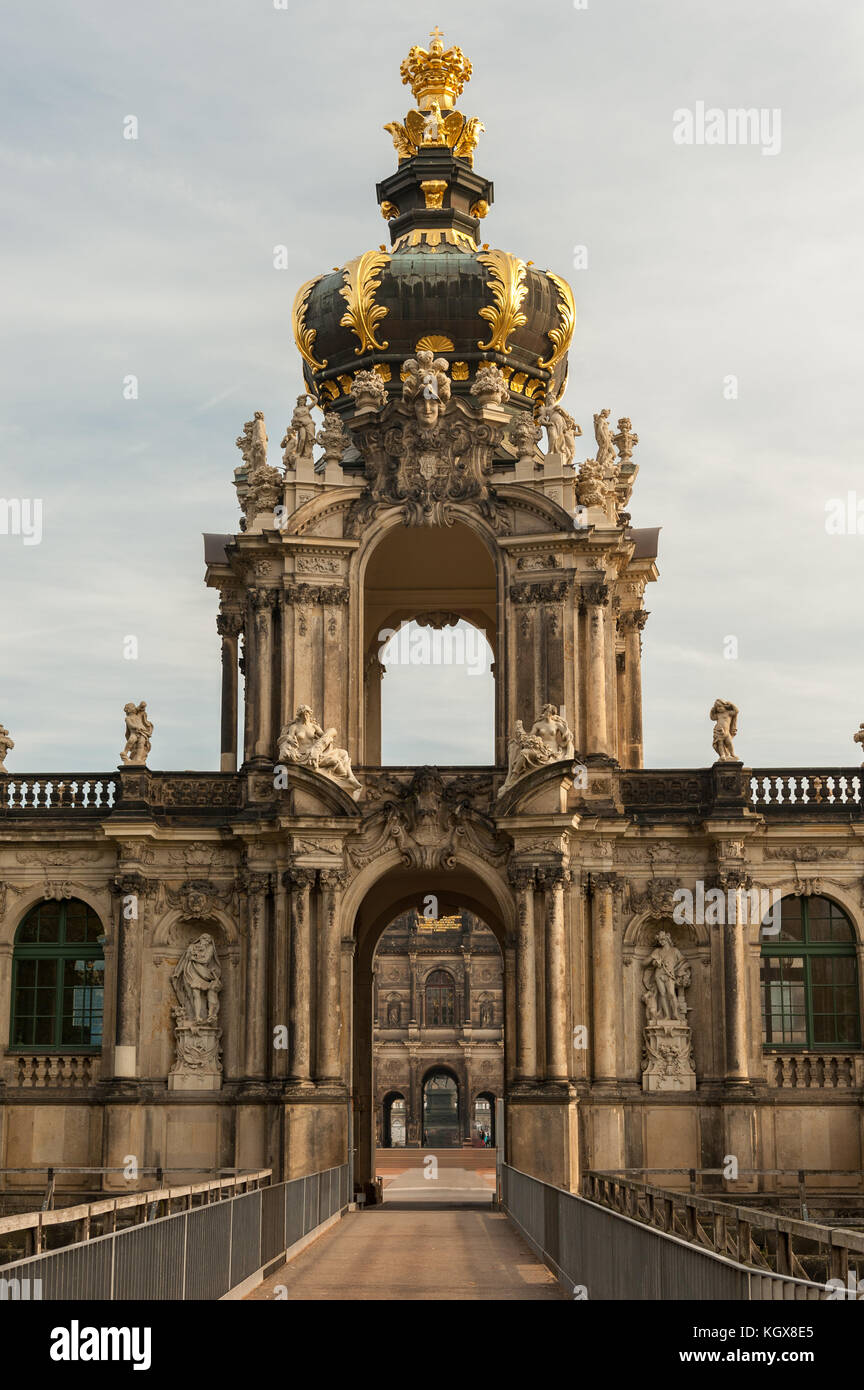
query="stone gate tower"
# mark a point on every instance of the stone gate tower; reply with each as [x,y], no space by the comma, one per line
[438,365]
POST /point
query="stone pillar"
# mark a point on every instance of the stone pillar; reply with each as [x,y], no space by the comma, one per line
[554,880]
[300,881]
[256,887]
[329,976]
[229,626]
[466,992]
[279,964]
[522,879]
[414,1020]
[735,991]
[606,977]
[373,675]
[263,602]
[131,890]
[632,623]
[595,597]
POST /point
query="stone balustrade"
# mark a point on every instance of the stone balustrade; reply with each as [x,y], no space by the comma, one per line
[45,1071]
[816,788]
[805,1071]
[59,791]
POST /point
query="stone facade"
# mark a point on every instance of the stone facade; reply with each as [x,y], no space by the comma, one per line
[412,1037]
[295,857]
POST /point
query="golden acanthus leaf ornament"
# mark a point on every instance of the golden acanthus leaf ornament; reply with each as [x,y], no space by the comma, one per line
[361,284]
[562,336]
[509,292]
[305,337]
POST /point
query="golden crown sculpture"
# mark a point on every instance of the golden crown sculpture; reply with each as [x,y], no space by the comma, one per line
[436,79]
[434,75]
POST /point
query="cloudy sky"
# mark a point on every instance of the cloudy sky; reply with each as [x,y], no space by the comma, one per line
[261,126]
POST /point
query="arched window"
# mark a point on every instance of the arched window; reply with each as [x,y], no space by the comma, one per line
[58,977]
[810,978]
[440,999]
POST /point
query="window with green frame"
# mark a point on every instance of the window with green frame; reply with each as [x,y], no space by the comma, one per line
[58,978]
[810,978]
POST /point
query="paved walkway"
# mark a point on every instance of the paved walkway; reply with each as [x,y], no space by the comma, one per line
[415,1253]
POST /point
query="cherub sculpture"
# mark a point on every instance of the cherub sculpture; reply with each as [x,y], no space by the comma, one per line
[138,731]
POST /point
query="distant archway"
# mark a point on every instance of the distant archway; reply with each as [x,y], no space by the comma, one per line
[393,1135]
[441,1110]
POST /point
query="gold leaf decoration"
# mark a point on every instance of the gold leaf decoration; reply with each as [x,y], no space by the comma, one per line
[361,283]
[518,381]
[383,369]
[460,371]
[346,382]
[434,342]
[509,291]
[305,337]
[562,336]
[389,211]
[332,389]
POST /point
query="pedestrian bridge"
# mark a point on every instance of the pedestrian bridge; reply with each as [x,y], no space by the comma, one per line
[447,1226]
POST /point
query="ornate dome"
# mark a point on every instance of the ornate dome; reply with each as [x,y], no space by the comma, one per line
[438,287]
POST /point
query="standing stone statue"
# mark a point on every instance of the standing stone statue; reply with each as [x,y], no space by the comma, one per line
[5,744]
[603,435]
[561,430]
[300,434]
[664,980]
[725,716]
[549,741]
[197,983]
[856,738]
[138,731]
[305,743]
[667,1059]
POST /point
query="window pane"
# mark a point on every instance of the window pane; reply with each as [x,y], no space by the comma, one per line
[82,1003]
[791,928]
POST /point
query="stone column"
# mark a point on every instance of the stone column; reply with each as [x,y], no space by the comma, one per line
[632,623]
[131,890]
[327,1068]
[606,982]
[735,991]
[595,597]
[300,881]
[373,675]
[412,967]
[256,887]
[263,602]
[466,991]
[522,879]
[554,880]
[229,625]
[279,963]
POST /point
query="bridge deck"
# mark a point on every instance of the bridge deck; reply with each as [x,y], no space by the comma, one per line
[415,1253]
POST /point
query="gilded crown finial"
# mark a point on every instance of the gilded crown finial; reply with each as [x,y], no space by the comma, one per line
[435,75]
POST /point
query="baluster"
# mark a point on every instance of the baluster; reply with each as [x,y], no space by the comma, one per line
[856,783]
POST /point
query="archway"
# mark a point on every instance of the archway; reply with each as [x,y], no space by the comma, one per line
[484,1118]
[437,694]
[392,1029]
[393,1129]
[441,582]
[441,1128]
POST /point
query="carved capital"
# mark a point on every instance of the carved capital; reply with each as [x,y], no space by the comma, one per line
[333,880]
[551,876]
[302,594]
[298,880]
[229,623]
[594,595]
[521,876]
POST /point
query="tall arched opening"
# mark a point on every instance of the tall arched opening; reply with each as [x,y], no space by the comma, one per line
[407,1025]
[430,601]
